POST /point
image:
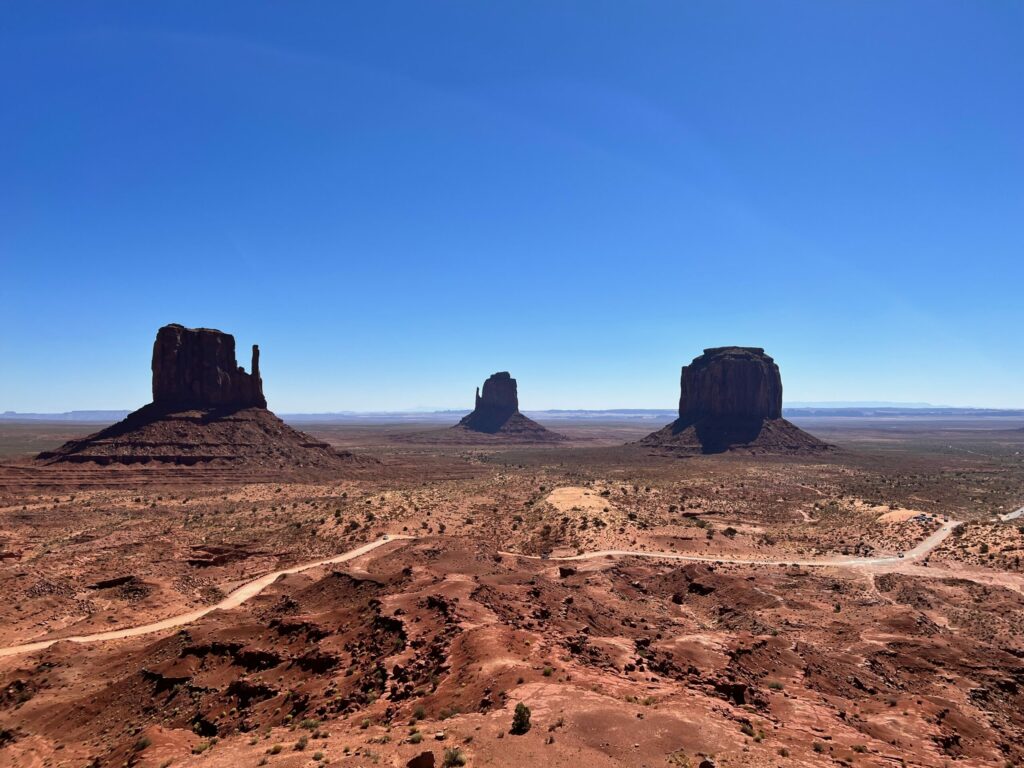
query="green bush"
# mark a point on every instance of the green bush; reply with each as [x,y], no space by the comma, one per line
[520,720]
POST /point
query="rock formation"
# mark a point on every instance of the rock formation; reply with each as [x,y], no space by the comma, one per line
[205,410]
[498,403]
[731,399]
[731,381]
[196,368]
[496,412]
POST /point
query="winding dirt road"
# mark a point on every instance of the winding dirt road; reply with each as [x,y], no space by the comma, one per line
[1012,515]
[236,598]
[252,588]
[922,550]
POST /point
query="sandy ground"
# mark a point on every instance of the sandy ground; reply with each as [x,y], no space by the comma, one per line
[747,611]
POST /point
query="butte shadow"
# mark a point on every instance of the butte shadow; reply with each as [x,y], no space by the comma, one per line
[206,410]
[731,400]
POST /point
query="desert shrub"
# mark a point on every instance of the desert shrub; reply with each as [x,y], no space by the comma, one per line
[453,757]
[520,720]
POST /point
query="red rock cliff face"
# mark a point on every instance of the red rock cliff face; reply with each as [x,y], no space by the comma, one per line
[196,368]
[731,399]
[731,381]
[498,403]
[499,394]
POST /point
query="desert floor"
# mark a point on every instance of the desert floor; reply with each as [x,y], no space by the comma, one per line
[648,610]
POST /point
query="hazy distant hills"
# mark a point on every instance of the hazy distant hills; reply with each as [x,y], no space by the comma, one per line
[105,417]
[903,412]
[653,415]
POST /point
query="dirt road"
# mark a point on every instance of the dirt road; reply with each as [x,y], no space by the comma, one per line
[245,592]
[1012,515]
[922,550]
[254,587]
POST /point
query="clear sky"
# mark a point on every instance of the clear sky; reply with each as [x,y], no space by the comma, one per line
[397,199]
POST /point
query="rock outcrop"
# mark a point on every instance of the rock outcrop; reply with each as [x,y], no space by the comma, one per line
[495,417]
[498,403]
[731,399]
[206,410]
[196,368]
[731,381]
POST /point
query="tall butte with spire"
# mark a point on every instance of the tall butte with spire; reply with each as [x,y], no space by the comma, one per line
[206,409]
[731,400]
[496,412]
[196,368]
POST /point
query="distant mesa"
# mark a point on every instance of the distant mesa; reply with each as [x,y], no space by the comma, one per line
[731,399]
[495,419]
[205,409]
[498,404]
[496,412]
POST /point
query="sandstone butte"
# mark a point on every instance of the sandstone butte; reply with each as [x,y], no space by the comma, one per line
[731,400]
[206,410]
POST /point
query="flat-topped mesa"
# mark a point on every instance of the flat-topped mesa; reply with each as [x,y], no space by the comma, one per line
[731,399]
[196,368]
[731,381]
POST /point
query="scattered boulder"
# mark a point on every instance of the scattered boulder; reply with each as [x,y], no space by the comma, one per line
[731,399]
[422,760]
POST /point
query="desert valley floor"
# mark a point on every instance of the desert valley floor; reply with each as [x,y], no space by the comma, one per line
[863,607]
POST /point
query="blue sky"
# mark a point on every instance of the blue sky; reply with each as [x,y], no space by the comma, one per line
[397,199]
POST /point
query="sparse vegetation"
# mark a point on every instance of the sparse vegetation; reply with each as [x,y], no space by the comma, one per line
[520,720]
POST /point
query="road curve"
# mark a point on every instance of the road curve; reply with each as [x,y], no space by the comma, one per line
[923,549]
[1012,515]
[252,588]
[245,592]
